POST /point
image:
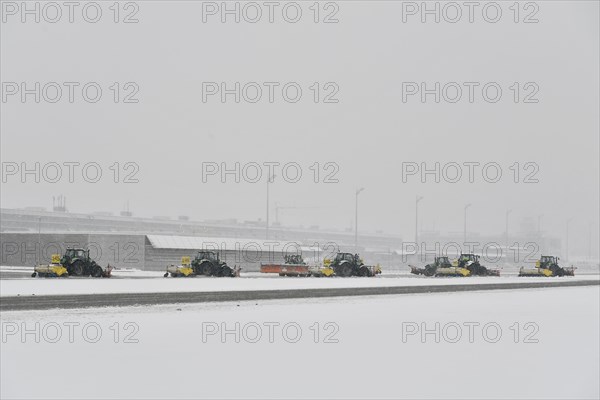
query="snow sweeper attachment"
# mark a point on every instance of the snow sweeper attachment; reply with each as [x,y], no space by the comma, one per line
[322,271]
[183,270]
[53,270]
[75,262]
[547,266]
[441,266]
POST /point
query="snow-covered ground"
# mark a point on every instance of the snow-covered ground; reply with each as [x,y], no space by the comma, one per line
[371,348]
[250,281]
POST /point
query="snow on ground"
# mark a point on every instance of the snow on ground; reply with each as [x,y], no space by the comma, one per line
[249,281]
[360,354]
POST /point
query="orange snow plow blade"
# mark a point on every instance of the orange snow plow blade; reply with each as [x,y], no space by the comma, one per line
[285,269]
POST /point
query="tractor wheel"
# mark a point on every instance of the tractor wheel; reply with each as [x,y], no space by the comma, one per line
[76,268]
[225,271]
[363,271]
[477,269]
[345,270]
[166,274]
[207,269]
[34,274]
[429,270]
[97,271]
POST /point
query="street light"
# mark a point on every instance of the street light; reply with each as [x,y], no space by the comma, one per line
[356,219]
[419,198]
[506,231]
[465,227]
[590,242]
[39,255]
[269,180]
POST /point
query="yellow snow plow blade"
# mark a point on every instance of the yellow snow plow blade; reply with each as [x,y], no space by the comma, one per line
[179,270]
[452,271]
[535,272]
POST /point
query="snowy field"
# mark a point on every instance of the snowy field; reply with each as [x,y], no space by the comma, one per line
[252,281]
[540,343]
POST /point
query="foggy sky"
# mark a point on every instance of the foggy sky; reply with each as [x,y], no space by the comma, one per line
[368,134]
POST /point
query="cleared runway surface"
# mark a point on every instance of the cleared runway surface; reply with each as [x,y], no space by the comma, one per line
[33,302]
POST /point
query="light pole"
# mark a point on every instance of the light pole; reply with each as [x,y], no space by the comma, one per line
[541,243]
[567,244]
[506,231]
[419,198]
[39,252]
[465,227]
[590,242]
[269,180]
[356,220]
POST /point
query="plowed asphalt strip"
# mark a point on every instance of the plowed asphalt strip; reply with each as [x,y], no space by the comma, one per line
[13,303]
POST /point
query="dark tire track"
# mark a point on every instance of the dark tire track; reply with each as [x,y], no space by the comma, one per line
[15,303]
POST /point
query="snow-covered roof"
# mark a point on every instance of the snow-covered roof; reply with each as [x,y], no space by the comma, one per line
[223,243]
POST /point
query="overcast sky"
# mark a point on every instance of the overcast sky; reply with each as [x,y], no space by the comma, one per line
[369,133]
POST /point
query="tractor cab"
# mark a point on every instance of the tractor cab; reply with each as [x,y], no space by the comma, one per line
[443,262]
[208,255]
[468,257]
[74,254]
[352,258]
[546,261]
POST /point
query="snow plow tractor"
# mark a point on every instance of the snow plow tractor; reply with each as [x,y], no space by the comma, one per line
[183,270]
[547,266]
[208,263]
[440,267]
[76,262]
[347,264]
[471,263]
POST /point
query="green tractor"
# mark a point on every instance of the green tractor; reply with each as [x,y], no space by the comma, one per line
[208,263]
[78,263]
[432,269]
[347,264]
[547,266]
